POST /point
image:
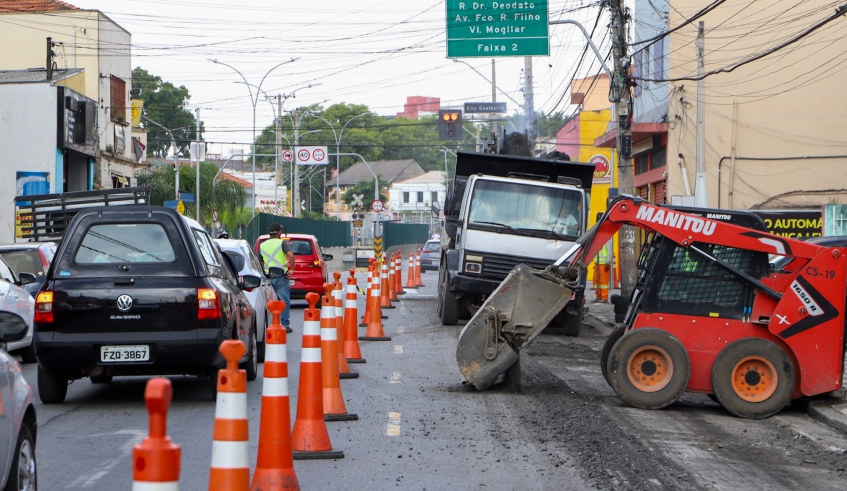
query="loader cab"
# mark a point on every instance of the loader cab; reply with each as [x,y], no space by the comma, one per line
[677,280]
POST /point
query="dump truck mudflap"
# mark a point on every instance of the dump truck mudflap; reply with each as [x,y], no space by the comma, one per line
[512,316]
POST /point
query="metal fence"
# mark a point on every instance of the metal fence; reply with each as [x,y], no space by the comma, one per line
[329,234]
[396,234]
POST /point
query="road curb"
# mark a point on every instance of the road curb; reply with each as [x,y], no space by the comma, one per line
[827,414]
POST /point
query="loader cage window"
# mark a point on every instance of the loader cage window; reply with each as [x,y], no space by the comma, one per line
[687,283]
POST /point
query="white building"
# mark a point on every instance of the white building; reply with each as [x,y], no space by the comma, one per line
[414,197]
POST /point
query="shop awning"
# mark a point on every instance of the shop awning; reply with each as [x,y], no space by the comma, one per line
[640,131]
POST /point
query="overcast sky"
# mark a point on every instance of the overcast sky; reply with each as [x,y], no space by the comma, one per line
[373,52]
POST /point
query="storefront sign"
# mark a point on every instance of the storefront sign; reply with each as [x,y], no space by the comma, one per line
[602,169]
[792,223]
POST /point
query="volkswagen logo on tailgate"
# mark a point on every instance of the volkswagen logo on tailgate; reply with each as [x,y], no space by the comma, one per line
[124,303]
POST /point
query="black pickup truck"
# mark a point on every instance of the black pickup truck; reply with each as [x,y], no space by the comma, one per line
[138,290]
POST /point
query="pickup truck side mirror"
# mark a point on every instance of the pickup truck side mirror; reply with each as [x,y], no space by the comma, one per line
[12,327]
[249,281]
[275,273]
[26,278]
[328,257]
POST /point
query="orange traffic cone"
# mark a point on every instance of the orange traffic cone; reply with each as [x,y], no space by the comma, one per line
[155,461]
[398,273]
[309,438]
[418,268]
[410,279]
[230,467]
[275,465]
[384,300]
[367,315]
[392,280]
[351,332]
[343,368]
[374,331]
[334,407]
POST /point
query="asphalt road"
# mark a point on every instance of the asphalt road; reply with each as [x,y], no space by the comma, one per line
[419,428]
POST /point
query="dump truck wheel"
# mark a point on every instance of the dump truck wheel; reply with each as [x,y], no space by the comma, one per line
[572,324]
[449,305]
[607,348]
[753,378]
[648,368]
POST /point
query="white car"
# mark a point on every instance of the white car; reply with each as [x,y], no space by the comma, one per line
[14,298]
[246,263]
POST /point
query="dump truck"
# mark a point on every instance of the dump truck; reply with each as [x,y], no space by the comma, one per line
[503,210]
[708,313]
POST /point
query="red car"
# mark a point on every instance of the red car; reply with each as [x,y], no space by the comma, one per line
[310,264]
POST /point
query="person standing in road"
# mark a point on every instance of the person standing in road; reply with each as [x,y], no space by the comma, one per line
[602,270]
[276,253]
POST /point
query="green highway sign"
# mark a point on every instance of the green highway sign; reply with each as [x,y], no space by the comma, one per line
[497,29]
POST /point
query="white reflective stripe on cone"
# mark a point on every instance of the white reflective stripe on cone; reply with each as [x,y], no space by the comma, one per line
[229,455]
[312,328]
[374,292]
[329,334]
[275,387]
[276,352]
[311,355]
[155,486]
[231,405]
[349,304]
[351,289]
[328,311]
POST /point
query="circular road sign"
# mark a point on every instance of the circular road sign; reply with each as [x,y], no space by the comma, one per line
[215,216]
[303,155]
[318,155]
[287,155]
[377,206]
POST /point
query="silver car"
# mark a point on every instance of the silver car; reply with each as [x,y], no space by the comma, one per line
[14,298]
[18,422]
[246,263]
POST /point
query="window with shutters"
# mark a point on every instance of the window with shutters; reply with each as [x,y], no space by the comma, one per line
[405,196]
[117,90]
[434,196]
[420,196]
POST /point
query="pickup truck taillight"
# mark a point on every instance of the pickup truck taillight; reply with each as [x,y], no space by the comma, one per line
[208,304]
[44,307]
[316,264]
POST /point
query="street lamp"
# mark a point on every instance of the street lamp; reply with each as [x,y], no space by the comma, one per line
[296,183]
[338,138]
[254,101]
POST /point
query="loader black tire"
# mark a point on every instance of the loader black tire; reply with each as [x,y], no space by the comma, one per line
[618,299]
[607,348]
[753,378]
[620,318]
[571,324]
[621,308]
[649,368]
[449,311]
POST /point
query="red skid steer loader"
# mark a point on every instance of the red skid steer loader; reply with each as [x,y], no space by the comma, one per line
[708,314]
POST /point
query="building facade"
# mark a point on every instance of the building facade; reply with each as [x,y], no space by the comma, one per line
[412,200]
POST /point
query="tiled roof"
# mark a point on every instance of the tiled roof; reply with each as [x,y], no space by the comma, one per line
[229,177]
[387,170]
[35,75]
[34,5]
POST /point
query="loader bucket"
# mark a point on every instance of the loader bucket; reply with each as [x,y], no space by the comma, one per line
[518,310]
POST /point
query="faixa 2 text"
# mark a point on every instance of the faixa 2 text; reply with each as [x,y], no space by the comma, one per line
[496,6]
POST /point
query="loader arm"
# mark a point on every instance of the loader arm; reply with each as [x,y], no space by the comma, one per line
[527,300]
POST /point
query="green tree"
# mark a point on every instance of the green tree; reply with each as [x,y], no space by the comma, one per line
[164,103]
[367,189]
[227,197]
[549,124]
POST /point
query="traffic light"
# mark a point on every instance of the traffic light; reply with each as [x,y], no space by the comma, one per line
[450,124]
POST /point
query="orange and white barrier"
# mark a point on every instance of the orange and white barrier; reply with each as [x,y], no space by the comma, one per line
[155,461]
[410,279]
[230,468]
[398,273]
[374,332]
[384,299]
[392,279]
[310,438]
[275,465]
[351,315]
[333,401]
[418,269]
[338,302]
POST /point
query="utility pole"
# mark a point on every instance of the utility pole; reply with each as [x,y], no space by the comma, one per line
[49,58]
[197,163]
[701,199]
[623,102]
[278,144]
[295,182]
[495,128]
[529,103]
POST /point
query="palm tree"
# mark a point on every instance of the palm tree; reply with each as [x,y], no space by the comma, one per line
[227,197]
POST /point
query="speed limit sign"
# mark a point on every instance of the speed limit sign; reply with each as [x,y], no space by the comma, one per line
[287,155]
[215,216]
[304,155]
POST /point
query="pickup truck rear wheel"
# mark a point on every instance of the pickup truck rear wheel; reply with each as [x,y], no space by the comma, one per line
[260,352]
[449,305]
[649,368]
[52,385]
[252,365]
